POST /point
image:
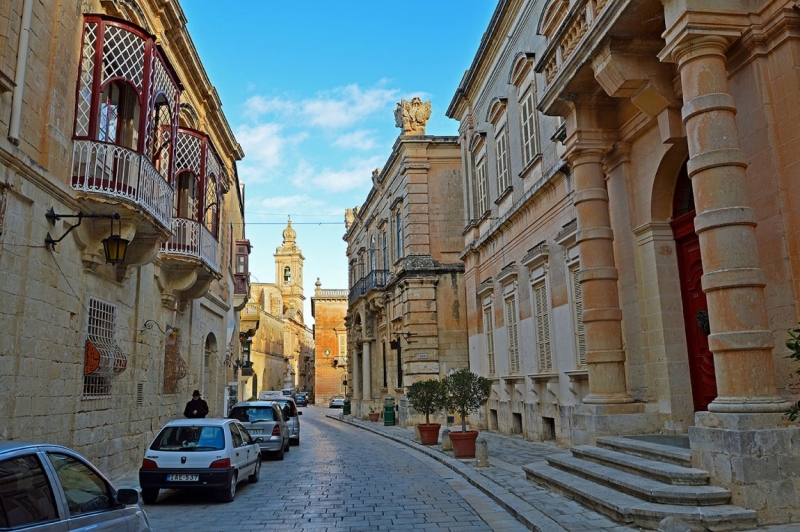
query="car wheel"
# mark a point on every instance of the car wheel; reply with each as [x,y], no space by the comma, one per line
[294,442]
[149,495]
[287,447]
[227,495]
[279,453]
[252,479]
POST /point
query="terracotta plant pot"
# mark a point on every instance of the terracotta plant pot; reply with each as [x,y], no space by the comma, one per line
[373,416]
[429,434]
[464,443]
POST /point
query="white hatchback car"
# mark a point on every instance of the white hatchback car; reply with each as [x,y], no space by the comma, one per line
[200,454]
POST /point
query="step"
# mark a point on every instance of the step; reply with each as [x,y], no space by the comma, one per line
[644,488]
[655,469]
[631,510]
[653,451]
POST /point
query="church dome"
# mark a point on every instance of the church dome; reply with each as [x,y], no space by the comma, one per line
[289,234]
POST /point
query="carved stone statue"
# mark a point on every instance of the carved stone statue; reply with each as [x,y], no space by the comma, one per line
[412,117]
[349,218]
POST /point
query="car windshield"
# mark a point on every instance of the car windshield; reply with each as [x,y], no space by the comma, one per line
[189,439]
[251,414]
[287,407]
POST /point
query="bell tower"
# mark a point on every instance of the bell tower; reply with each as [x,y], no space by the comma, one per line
[289,270]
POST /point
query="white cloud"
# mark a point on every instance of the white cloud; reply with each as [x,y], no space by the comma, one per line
[264,146]
[357,140]
[356,173]
[337,108]
[285,204]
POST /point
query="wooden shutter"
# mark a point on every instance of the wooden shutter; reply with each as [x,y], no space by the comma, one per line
[580,333]
[511,327]
[488,329]
[542,328]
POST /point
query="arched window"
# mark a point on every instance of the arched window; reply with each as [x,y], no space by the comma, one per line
[160,143]
[118,115]
[212,206]
[287,275]
[187,192]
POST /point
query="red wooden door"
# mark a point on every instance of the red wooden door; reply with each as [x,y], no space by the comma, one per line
[695,311]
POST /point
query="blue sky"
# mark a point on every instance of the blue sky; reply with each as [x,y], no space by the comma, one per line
[309,89]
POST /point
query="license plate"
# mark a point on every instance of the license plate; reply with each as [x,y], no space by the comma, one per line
[183,478]
[255,432]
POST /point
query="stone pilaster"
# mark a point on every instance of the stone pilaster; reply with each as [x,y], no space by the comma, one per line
[602,315]
[733,281]
[366,376]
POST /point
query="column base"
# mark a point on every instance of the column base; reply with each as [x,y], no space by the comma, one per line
[592,420]
[608,399]
[748,405]
[755,456]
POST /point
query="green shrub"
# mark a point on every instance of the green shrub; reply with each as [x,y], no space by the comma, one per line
[793,343]
[426,397]
[465,392]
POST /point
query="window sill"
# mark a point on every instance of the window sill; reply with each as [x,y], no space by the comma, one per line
[504,195]
[528,167]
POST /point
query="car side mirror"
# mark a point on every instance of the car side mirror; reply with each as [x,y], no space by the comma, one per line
[127,496]
[299,413]
[258,440]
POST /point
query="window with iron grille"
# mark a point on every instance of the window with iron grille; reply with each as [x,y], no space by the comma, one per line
[528,126]
[488,329]
[100,346]
[511,329]
[577,307]
[503,170]
[483,188]
[542,323]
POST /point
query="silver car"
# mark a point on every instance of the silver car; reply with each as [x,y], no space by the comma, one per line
[292,417]
[264,420]
[50,488]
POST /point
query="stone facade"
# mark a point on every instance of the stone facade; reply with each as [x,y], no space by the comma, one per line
[98,356]
[631,264]
[406,318]
[329,308]
[282,351]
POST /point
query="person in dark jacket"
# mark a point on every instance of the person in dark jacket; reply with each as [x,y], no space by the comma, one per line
[196,407]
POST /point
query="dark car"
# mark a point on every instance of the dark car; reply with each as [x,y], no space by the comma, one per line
[52,488]
[301,399]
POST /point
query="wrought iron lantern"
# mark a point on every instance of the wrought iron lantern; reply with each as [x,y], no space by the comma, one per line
[114,246]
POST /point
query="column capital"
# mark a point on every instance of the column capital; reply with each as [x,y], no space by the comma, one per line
[692,46]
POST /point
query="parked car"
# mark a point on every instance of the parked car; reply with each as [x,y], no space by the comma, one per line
[203,454]
[292,417]
[301,399]
[336,402]
[264,419]
[52,488]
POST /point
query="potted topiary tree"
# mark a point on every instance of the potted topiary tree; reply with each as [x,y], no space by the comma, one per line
[464,393]
[426,398]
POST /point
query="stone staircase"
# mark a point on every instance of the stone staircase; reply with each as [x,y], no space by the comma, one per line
[640,481]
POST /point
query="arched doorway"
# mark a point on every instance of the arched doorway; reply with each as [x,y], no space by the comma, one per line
[695,307]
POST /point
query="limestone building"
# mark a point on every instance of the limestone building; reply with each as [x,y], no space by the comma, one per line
[406,318]
[641,277]
[329,308]
[281,345]
[112,134]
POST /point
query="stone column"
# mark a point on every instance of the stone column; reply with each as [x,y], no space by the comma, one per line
[602,315]
[365,373]
[740,338]
[356,388]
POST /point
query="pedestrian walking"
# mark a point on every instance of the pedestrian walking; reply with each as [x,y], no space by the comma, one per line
[196,407]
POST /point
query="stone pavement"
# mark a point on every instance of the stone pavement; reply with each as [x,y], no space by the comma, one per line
[536,507]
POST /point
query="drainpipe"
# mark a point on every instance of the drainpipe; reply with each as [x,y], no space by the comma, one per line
[19,77]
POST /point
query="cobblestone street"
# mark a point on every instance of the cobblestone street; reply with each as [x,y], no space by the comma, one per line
[323,485]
